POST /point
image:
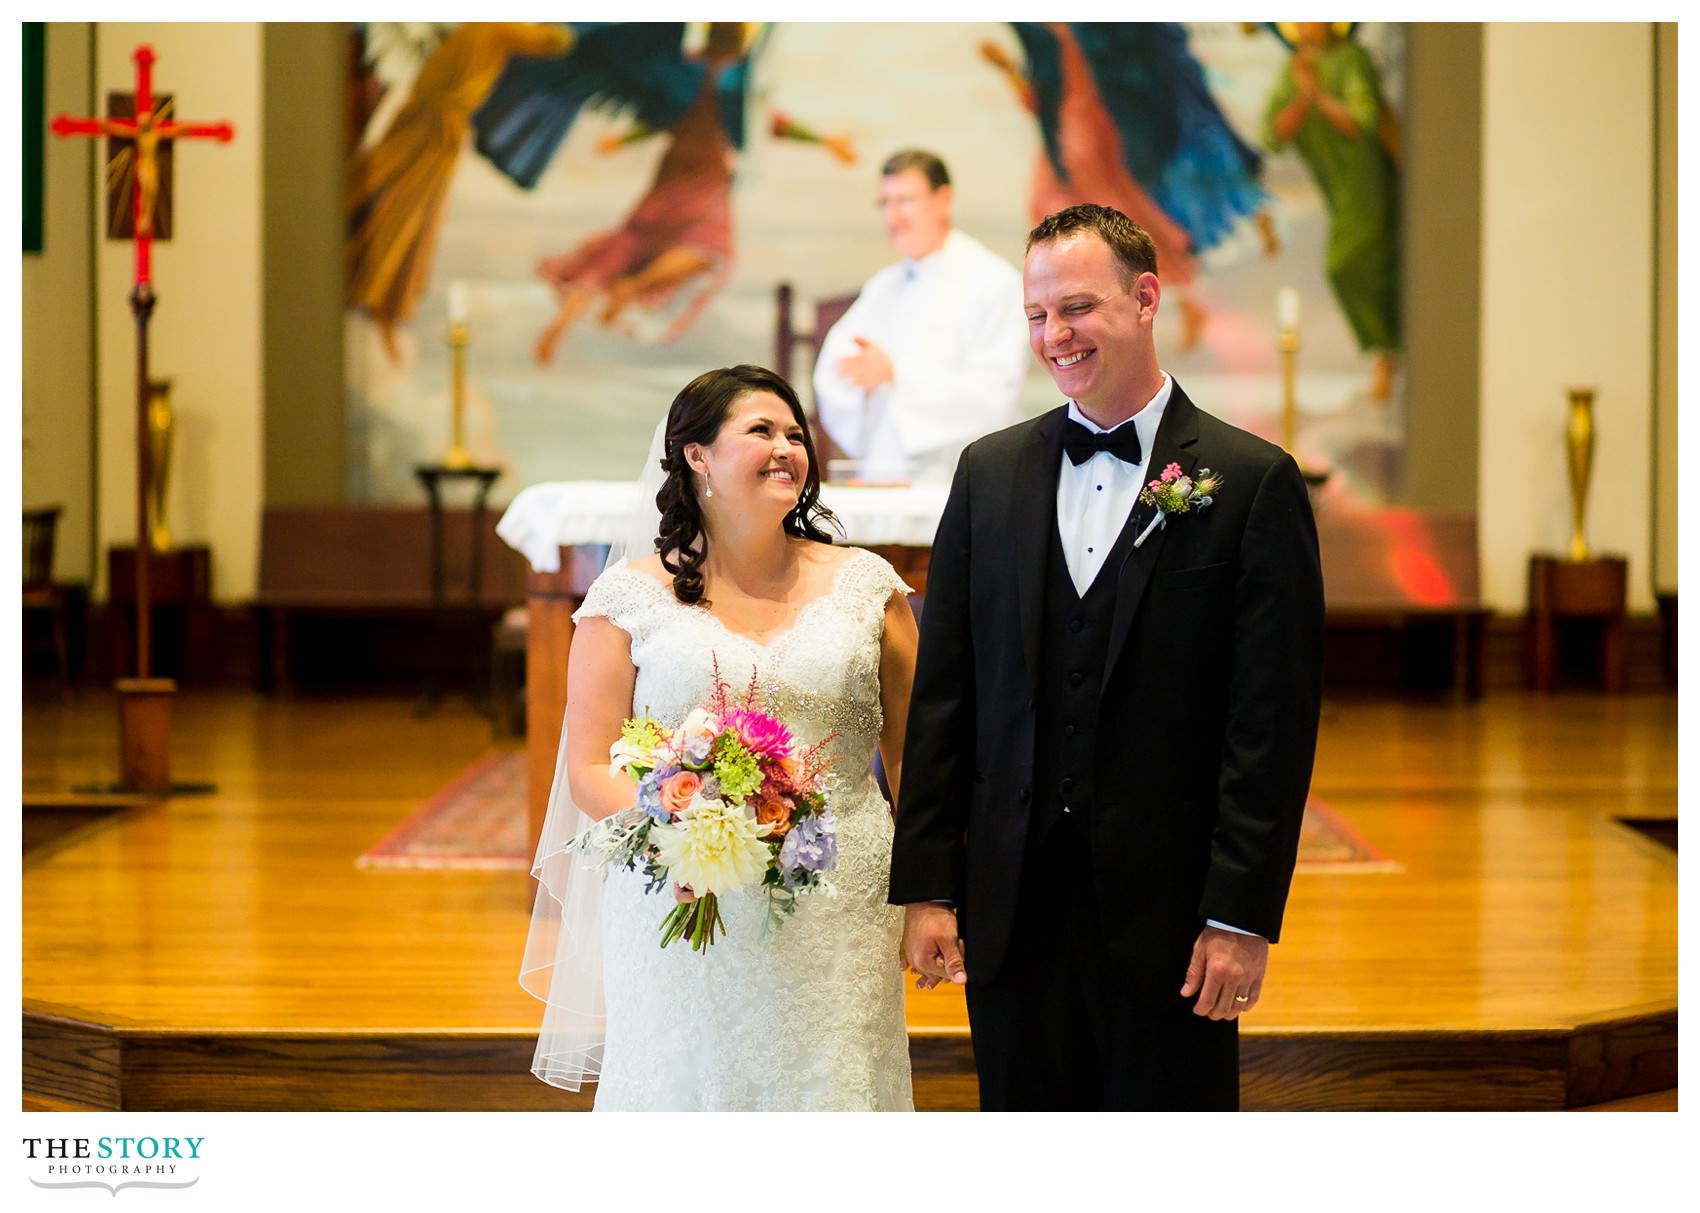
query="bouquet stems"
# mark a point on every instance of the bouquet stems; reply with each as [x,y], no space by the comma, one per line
[695,920]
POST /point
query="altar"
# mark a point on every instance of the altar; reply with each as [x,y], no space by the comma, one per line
[563,529]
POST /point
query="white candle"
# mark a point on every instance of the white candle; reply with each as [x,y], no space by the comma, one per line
[457,302]
[1287,309]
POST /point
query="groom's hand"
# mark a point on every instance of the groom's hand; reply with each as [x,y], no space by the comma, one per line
[1226,973]
[931,946]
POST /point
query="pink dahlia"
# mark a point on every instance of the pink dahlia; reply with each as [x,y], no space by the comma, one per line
[761,734]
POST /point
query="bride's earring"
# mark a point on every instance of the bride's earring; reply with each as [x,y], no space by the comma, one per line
[707,488]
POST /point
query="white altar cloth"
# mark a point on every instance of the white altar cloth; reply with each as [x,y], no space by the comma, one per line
[544,518]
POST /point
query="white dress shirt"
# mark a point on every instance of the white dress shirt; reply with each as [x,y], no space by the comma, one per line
[1094,500]
[953,326]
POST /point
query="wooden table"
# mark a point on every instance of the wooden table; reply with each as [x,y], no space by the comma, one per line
[1594,593]
[179,592]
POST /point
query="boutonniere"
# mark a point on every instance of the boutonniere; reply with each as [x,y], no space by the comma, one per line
[1175,493]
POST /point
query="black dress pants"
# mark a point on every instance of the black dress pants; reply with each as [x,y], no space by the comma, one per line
[1060,1029]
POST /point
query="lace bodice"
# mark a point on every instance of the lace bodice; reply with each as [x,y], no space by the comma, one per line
[808,1014]
[820,675]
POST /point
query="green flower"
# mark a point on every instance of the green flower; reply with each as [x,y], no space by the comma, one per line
[643,731]
[736,768]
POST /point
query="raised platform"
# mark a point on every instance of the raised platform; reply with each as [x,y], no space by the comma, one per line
[225,953]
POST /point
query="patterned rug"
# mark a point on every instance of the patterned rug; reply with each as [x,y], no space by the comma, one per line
[479,821]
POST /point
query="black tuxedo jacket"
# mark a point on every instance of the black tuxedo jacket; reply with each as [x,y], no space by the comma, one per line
[1211,691]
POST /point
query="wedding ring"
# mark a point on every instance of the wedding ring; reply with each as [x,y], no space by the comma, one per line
[1241,998]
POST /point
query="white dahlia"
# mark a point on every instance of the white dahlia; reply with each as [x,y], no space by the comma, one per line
[713,848]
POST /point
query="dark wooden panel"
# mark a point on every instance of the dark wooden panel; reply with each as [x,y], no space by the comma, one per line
[71,1064]
[463,1073]
[340,555]
[1623,1057]
[943,1068]
[1416,1072]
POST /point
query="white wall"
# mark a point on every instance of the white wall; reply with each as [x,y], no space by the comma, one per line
[58,397]
[206,328]
[1567,210]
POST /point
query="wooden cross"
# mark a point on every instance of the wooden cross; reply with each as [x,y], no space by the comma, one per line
[145,133]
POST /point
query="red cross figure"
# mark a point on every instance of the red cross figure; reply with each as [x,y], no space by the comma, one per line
[145,131]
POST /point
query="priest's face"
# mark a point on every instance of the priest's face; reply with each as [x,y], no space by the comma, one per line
[916,216]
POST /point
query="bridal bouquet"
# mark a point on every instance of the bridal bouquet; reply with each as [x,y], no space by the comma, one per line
[725,801]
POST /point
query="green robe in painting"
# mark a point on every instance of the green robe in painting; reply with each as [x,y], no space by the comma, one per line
[1360,183]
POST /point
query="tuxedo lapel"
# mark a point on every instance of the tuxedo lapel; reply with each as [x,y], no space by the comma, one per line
[1037,464]
[1175,438]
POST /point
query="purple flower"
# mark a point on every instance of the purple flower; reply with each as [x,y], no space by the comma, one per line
[811,846]
[649,793]
[696,750]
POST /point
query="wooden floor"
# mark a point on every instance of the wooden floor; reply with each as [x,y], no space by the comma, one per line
[223,951]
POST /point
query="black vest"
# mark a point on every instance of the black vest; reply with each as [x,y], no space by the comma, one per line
[1074,643]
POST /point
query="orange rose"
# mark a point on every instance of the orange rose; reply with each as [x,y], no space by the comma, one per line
[677,791]
[776,811]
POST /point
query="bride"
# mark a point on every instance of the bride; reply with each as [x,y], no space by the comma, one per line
[807,1014]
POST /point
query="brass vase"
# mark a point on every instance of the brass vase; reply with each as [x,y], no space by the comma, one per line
[161,423]
[1579,438]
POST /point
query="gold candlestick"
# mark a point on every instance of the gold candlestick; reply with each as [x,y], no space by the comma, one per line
[161,423]
[456,456]
[1579,438]
[1289,388]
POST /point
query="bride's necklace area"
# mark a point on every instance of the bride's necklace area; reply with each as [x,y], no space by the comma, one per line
[761,612]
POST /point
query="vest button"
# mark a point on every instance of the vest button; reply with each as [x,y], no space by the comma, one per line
[1067,787]
[1025,793]
[1068,730]
[1076,678]
[1075,624]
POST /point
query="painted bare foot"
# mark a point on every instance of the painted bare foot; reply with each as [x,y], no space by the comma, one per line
[544,351]
[1193,317]
[842,148]
[1381,377]
[620,294]
[386,334]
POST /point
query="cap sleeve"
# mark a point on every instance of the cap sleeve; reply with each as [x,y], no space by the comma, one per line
[871,581]
[625,597]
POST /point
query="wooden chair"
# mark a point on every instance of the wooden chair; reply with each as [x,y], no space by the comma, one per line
[40,592]
[786,337]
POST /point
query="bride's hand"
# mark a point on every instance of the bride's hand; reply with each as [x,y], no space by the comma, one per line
[683,893]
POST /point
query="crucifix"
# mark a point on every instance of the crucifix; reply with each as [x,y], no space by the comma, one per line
[140,140]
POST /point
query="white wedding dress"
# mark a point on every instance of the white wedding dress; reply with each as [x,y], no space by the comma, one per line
[808,1013]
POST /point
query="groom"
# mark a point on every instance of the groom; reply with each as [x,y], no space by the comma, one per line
[1114,716]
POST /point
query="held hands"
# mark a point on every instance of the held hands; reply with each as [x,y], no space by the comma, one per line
[931,946]
[868,367]
[1226,973]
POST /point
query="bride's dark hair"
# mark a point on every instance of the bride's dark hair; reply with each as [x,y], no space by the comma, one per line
[696,415]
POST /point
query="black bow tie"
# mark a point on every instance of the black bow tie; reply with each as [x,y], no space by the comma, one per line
[1081,443]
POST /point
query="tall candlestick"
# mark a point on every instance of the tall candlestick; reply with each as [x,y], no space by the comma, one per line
[457,302]
[456,456]
[1287,309]
[1289,388]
